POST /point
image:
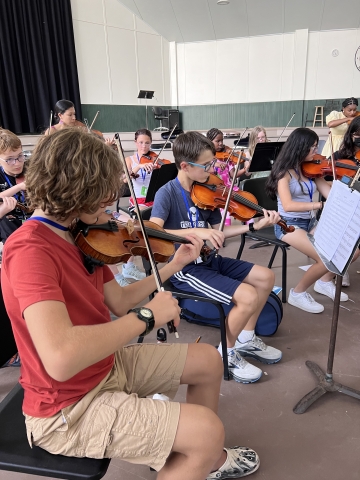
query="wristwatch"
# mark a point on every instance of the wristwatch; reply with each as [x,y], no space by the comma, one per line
[147,316]
[251,227]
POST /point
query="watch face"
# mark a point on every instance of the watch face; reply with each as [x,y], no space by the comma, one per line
[146,312]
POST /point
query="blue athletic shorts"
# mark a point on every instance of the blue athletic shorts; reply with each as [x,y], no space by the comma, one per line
[218,278]
[303,223]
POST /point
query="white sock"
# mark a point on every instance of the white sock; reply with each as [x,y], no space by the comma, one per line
[324,283]
[128,265]
[295,294]
[229,350]
[246,336]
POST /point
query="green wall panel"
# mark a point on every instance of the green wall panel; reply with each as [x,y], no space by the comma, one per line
[129,118]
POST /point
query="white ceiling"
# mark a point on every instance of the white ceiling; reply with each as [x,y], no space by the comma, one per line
[200,20]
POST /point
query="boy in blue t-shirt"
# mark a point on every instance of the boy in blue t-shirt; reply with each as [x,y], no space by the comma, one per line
[241,286]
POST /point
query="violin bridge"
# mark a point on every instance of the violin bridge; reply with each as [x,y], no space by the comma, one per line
[130,226]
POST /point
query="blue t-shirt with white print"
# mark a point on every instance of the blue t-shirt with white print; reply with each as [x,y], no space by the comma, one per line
[170,206]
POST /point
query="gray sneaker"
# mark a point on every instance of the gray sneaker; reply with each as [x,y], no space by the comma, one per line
[240,461]
[241,370]
[121,280]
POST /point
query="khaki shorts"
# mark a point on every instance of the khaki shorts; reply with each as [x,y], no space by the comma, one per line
[114,419]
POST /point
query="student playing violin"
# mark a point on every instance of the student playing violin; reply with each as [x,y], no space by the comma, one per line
[350,147]
[242,288]
[12,161]
[224,170]
[85,387]
[297,206]
[64,116]
[338,122]
[257,135]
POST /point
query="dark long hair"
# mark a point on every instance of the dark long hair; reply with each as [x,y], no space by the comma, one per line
[60,107]
[346,149]
[213,133]
[293,153]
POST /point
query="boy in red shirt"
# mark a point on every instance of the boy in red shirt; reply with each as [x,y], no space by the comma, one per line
[85,388]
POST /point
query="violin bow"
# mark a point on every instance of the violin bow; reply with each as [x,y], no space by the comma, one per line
[160,288]
[92,123]
[167,140]
[281,134]
[86,123]
[332,155]
[236,144]
[51,117]
[226,207]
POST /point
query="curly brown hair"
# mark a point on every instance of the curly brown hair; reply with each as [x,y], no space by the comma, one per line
[71,172]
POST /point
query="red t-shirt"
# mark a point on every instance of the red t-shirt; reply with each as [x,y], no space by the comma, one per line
[39,265]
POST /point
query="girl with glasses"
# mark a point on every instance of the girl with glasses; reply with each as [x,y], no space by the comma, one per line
[296,196]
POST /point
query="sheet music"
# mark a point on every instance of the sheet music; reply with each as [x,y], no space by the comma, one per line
[339,226]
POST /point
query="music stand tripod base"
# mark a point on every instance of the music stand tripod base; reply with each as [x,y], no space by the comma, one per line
[326,383]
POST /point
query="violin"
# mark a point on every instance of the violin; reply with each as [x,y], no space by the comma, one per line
[21,206]
[114,242]
[243,205]
[320,166]
[234,157]
[154,159]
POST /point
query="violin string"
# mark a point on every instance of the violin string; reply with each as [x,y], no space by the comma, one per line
[244,201]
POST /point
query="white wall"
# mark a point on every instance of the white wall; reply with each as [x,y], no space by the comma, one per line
[293,66]
[118,54]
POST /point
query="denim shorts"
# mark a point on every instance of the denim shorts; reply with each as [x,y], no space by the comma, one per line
[304,223]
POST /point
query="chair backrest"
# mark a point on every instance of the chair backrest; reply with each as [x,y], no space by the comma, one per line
[256,186]
[158,111]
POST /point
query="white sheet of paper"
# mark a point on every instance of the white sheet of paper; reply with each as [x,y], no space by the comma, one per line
[335,220]
[348,241]
[305,267]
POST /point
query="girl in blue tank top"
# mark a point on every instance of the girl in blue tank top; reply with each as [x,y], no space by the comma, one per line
[297,198]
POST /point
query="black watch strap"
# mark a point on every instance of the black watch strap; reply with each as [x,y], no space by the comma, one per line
[148,319]
[251,227]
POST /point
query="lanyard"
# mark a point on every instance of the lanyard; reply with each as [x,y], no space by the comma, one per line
[310,187]
[142,170]
[19,199]
[50,222]
[188,207]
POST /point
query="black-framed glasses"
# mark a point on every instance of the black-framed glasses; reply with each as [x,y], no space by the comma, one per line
[11,161]
[207,167]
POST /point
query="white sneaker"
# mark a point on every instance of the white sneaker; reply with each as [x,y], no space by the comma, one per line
[121,280]
[305,301]
[134,273]
[241,370]
[240,462]
[328,289]
[257,349]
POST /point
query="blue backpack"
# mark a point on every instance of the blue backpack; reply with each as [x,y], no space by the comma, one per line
[203,313]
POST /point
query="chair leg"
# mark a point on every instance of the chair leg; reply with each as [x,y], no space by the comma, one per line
[284,267]
[241,248]
[273,256]
[223,341]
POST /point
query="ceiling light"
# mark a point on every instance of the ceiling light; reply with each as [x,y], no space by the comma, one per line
[223,2]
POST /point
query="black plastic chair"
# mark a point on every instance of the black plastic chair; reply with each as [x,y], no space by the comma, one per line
[181,294]
[266,236]
[161,115]
[15,452]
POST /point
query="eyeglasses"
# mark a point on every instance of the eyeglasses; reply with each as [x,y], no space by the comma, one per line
[207,167]
[314,148]
[11,161]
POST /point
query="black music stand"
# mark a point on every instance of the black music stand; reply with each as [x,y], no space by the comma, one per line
[264,156]
[148,95]
[160,176]
[326,382]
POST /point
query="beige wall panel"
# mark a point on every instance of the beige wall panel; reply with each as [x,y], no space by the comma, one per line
[141,26]
[200,73]
[232,70]
[287,66]
[118,16]
[150,66]
[181,73]
[123,68]
[334,75]
[92,62]
[265,58]
[166,70]
[88,10]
